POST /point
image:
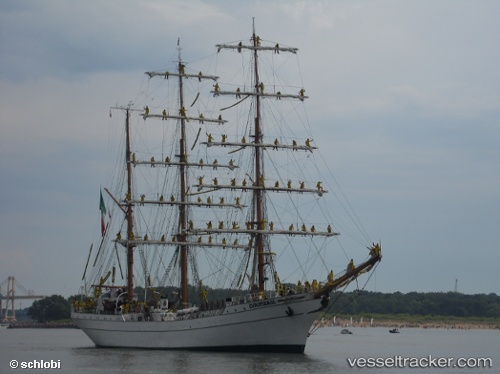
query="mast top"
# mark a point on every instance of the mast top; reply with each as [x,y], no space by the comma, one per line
[179,49]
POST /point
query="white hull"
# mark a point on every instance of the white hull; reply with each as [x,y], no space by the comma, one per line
[275,325]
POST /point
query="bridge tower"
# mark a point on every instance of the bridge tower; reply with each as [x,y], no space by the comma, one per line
[10,296]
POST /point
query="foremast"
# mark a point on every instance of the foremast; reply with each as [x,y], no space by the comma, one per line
[259,223]
[259,177]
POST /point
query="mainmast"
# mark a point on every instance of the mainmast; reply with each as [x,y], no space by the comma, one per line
[129,215]
[182,170]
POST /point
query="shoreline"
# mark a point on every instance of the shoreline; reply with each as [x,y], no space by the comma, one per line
[401,324]
[358,322]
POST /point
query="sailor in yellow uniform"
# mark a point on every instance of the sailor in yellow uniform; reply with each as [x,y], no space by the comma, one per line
[299,287]
[350,266]
[182,112]
[330,276]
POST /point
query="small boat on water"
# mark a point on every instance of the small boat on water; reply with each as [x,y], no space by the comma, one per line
[394,331]
[346,332]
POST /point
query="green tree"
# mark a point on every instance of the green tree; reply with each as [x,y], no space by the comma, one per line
[50,308]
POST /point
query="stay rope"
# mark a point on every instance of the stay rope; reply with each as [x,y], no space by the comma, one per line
[358,294]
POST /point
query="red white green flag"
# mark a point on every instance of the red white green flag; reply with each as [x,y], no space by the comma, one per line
[102,208]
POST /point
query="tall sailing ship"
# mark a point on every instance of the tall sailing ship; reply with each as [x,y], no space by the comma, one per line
[218,216]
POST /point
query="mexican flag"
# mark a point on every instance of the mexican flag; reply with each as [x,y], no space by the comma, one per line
[102,208]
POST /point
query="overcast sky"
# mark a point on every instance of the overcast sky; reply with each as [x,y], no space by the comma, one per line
[405,97]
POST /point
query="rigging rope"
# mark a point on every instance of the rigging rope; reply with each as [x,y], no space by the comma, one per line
[317,326]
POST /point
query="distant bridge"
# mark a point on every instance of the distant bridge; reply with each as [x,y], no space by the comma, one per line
[10,296]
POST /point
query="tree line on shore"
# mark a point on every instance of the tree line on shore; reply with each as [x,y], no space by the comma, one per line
[444,304]
[418,303]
